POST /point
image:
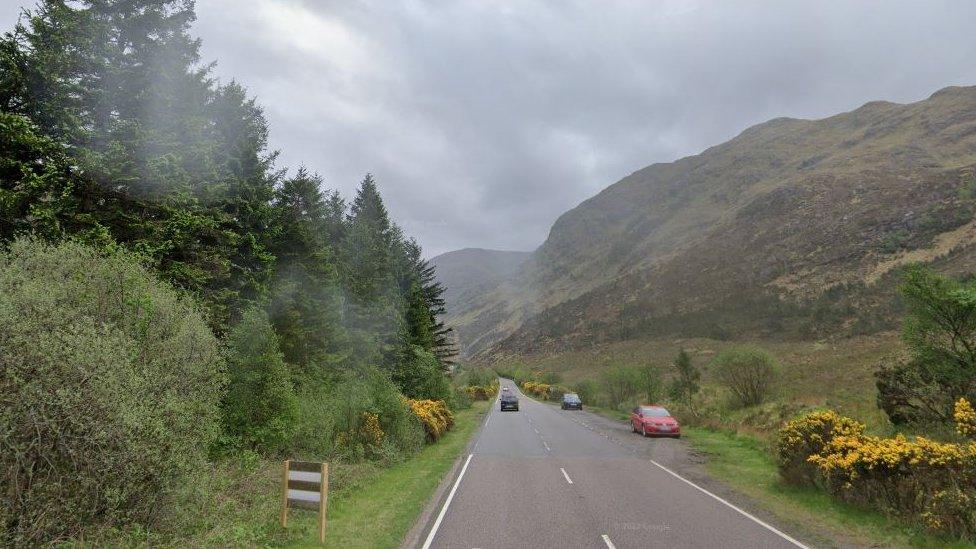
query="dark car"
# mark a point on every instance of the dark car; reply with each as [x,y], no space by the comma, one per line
[509,402]
[571,401]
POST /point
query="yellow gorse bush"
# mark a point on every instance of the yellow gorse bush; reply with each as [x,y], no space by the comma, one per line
[536,388]
[482,392]
[370,430]
[965,418]
[369,433]
[809,435]
[919,478]
[435,416]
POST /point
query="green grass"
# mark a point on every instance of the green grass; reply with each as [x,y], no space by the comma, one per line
[745,464]
[377,510]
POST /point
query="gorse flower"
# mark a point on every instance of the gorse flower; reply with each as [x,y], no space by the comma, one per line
[435,416]
[923,479]
[482,392]
[538,389]
[965,418]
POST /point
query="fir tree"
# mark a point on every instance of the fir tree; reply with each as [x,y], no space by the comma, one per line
[306,305]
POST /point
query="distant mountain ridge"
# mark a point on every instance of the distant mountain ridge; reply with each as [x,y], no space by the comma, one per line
[791,229]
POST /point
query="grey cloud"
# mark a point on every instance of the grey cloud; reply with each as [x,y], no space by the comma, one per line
[483,121]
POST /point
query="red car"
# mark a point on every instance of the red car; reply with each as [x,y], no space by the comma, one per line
[654,421]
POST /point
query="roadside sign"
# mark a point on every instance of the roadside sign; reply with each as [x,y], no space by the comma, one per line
[305,485]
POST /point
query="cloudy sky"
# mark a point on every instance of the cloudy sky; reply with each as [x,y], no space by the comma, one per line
[484,120]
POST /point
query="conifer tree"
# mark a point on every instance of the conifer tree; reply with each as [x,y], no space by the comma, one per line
[306,306]
[368,273]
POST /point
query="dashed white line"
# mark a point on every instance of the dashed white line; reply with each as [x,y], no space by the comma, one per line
[727,504]
[546,445]
[447,502]
[606,539]
[566,475]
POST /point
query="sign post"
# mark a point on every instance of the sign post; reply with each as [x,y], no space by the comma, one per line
[305,485]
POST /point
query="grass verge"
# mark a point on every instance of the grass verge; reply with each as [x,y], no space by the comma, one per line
[746,465]
[379,512]
[370,505]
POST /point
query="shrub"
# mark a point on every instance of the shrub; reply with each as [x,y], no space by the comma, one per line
[110,382]
[965,418]
[747,372]
[482,392]
[587,390]
[806,436]
[434,415]
[687,379]
[902,477]
[650,388]
[940,332]
[260,410]
[621,385]
[372,391]
[334,420]
[932,483]
[537,389]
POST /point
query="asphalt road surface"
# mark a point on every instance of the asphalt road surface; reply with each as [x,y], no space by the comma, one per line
[542,477]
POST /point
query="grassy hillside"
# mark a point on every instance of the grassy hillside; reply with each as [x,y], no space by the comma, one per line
[835,374]
[790,230]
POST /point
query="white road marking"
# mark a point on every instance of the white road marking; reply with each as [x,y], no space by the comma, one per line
[565,474]
[606,539]
[731,506]
[488,420]
[546,445]
[440,516]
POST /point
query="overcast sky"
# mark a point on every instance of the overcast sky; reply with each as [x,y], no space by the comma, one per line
[483,121]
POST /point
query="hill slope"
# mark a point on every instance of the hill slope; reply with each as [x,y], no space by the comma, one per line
[792,228]
[471,269]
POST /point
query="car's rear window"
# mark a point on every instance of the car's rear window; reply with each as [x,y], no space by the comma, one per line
[649,411]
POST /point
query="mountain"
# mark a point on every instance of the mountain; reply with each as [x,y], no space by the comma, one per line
[468,275]
[794,228]
[463,271]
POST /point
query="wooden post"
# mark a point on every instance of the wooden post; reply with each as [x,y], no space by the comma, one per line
[323,499]
[284,495]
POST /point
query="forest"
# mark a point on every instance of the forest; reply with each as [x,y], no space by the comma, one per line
[170,295]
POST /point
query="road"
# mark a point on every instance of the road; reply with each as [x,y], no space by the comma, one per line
[542,477]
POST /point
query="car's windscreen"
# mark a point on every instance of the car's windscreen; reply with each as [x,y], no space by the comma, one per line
[572,398]
[654,412]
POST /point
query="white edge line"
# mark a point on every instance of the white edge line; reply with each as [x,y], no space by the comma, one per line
[606,539]
[731,506]
[565,474]
[447,502]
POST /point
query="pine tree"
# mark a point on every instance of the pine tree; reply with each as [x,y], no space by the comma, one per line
[306,308]
[335,219]
[163,161]
[367,270]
